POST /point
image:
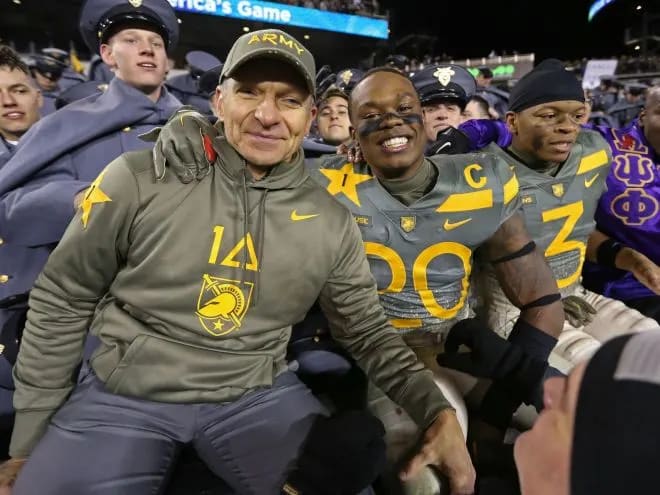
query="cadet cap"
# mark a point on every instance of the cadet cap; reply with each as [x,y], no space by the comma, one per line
[444,81]
[209,80]
[200,62]
[100,19]
[348,78]
[49,67]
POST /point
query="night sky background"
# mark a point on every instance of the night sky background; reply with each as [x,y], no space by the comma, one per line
[558,28]
[458,28]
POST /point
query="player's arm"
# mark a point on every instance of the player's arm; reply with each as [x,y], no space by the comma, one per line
[528,282]
[64,298]
[517,366]
[609,252]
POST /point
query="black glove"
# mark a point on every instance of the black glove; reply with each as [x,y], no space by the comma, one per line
[451,141]
[343,454]
[183,145]
[492,356]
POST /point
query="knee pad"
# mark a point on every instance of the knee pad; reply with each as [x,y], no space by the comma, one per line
[576,346]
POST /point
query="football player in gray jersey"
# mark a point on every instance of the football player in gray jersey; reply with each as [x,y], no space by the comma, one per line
[421,221]
[562,170]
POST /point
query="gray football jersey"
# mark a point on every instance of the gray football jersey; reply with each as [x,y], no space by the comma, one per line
[559,211]
[421,255]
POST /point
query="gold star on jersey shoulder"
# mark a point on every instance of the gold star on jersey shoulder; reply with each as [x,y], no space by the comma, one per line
[345,181]
[93,196]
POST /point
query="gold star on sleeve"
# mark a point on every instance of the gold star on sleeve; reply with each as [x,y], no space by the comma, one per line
[94,195]
[345,181]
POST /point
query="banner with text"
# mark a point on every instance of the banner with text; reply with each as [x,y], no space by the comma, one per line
[278,13]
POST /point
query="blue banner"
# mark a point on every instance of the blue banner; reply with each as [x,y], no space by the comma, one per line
[596,7]
[278,13]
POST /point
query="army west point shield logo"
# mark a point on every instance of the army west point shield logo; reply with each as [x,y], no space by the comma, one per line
[408,223]
[444,75]
[558,190]
[135,3]
[222,303]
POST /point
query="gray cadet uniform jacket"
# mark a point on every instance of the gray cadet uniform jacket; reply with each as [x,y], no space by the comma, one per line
[421,254]
[59,156]
[193,288]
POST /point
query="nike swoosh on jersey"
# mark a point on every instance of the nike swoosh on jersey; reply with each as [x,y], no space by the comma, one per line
[297,218]
[454,225]
[589,182]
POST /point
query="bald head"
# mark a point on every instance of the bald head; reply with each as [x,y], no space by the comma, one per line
[652,96]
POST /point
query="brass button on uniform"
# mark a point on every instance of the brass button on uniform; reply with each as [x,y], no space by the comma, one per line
[2,241]
[4,279]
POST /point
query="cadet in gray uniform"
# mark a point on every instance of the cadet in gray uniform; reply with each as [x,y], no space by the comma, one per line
[20,101]
[444,90]
[562,171]
[192,289]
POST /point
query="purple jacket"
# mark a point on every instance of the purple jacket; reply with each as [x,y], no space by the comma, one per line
[629,211]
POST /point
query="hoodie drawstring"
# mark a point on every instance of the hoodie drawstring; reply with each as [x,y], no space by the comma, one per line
[259,237]
[260,241]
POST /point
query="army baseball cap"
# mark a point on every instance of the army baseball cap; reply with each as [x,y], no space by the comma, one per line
[275,44]
[444,81]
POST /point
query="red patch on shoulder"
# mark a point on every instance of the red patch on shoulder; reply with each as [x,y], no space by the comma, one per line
[628,141]
[210,153]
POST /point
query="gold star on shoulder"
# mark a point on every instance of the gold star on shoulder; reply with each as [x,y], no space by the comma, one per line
[345,181]
[94,195]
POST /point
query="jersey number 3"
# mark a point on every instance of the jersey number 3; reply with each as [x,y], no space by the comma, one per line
[561,244]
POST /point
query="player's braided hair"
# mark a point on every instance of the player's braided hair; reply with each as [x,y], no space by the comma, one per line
[11,60]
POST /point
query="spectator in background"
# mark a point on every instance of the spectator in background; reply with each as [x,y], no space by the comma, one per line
[69,76]
[20,101]
[496,98]
[606,94]
[333,122]
[444,91]
[626,109]
[47,72]
[476,108]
